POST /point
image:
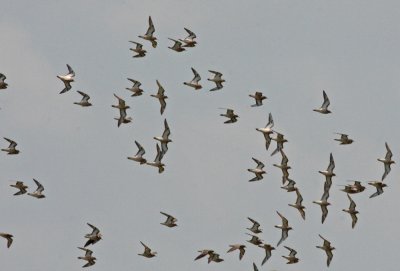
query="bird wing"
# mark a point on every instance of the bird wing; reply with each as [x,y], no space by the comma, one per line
[326,100]
[70,71]
[191,34]
[196,77]
[388,152]
[151,28]
[141,150]
[40,187]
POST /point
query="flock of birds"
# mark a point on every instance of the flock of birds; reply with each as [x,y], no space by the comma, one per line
[288,184]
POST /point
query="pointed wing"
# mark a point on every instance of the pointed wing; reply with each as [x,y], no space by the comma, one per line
[299,199]
[95,230]
[85,97]
[270,123]
[326,100]
[352,203]
[40,187]
[146,248]
[324,212]
[260,165]
[191,34]
[167,131]
[388,152]
[13,144]
[331,166]
[141,150]
[196,77]
[151,28]
[70,71]
[255,267]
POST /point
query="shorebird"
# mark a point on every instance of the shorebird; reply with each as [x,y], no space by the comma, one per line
[177,47]
[328,173]
[324,203]
[344,139]
[67,79]
[292,256]
[9,238]
[21,186]
[255,240]
[94,236]
[280,140]
[327,248]
[157,161]
[3,85]
[324,107]
[267,131]
[284,227]
[268,252]
[352,211]
[290,186]
[355,188]
[284,167]
[217,80]
[11,148]
[239,247]
[164,139]
[161,97]
[139,155]
[88,257]
[140,52]
[189,40]
[298,205]
[204,253]
[255,228]
[38,192]
[379,188]
[149,34]
[258,171]
[147,252]
[122,111]
[170,222]
[85,99]
[214,257]
[195,81]
[135,89]
[387,161]
[259,97]
[230,115]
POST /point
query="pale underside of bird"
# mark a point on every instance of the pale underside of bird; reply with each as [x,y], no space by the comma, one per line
[284,167]
[170,221]
[147,251]
[161,97]
[298,205]
[240,247]
[328,250]
[9,238]
[268,252]
[11,148]
[21,186]
[194,83]
[232,117]
[284,227]
[267,131]
[324,107]
[328,173]
[38,193]
[258,171]
[135,89]
[85,99]
[164,138]
[291,259]
[88,257]
[255,240]
[157,161]
[217,79]
[379,188]
[355,188]
[323,203]
[352,211]
[280,140]
[255,228]
[67,79]
[149,34]
[387,161]
[94,236]
[258,97]
[189,40]
[139,155]
[3,85]
[140,52]
[344,139]
[177,47]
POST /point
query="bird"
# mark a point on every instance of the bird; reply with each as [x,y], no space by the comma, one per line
[21,186]
[11,148]
[88,257]
[324,203]
[94,236]
[214,257]
[204,253]
[135,89]
[284,227]
[161,97]
[67,79]
[292,256]
[324,107]
[140,52]
[194,83]
[328,249]
[255,240]
[170,222]
[139,155]
[189,40]
[3,85]
[387,161]
[379,188]
[344,139]
[284,167]
[268,251]
[240,247]
[164,139]
[280,140]
[290,186]
[147,252]
[258,171]
[122,111]
[230,115]
[355,188]
[298,205]
[9,238]
[85,99]
[38,192]
[157,161]
[255,228]
[267,131]
[217,80]
[328,173]
[259,97]
[177,47]
[352,211]
[149,34]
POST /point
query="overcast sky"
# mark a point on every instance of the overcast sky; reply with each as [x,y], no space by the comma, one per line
[289,50]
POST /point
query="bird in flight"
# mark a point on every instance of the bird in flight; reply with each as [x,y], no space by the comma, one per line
[67,79]
[324,107]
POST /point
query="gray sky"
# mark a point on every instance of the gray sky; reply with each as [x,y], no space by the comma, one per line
[289,50]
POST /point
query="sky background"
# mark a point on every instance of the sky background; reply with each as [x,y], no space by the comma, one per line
[289,50]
